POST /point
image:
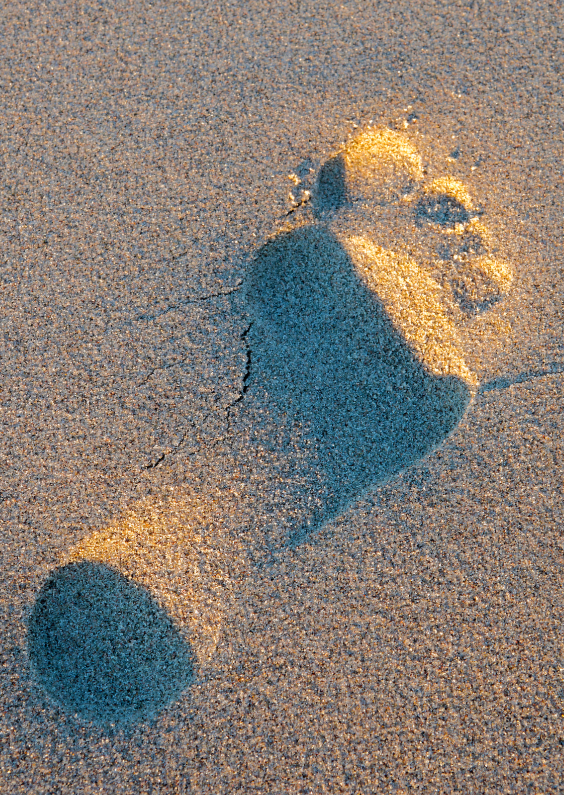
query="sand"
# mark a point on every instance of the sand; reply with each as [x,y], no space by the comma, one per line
[282,398]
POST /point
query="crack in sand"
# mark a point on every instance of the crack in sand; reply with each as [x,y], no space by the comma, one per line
[173,450]
[228,408]
[161,367]
[177,446]
[246,376]
[188,302]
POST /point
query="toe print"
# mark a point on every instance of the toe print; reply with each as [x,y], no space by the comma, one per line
[462,246]
[446,203]
[479,284]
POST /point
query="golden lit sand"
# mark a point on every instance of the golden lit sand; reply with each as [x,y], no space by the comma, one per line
[381,165]
[415,304]
[161,549]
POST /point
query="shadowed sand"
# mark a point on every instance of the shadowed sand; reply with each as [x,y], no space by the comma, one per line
[103,648]
[326,351]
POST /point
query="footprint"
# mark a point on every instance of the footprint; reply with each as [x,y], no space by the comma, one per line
[355,369]
[132,614]
[358,312]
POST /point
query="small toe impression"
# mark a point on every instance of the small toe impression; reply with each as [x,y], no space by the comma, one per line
[478,285]
[102,648]
[445,202]
[443,210]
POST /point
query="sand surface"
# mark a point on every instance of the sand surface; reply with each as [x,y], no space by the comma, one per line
[281,487]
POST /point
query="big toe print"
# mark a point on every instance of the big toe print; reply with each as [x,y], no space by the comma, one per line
[356,330]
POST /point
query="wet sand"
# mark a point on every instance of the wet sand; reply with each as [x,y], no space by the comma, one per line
[261,532]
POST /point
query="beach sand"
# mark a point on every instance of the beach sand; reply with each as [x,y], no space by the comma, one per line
[281,492]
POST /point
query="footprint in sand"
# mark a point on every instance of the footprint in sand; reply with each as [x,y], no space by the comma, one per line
[355,349]
[124,624]
[358,312]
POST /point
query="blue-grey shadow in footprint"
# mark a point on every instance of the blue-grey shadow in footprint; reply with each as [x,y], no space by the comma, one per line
[101,647]
[326,351]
